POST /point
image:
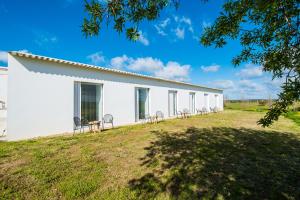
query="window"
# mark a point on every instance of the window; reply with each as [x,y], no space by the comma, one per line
[142,103]
[172,103]
[87,101]
[192,102]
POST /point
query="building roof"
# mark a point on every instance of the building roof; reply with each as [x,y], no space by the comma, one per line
[77,64]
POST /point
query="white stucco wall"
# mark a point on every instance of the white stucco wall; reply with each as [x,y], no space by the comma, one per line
[3,97]
[41,96]
[3,83]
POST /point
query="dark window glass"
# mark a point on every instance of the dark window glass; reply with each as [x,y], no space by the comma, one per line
[89,102]
[142,98]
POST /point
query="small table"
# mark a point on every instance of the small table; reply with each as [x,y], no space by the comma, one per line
[94,126]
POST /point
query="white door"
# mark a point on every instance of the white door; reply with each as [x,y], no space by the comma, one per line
[172,103]
[217,101]
[206,101]
[192,102]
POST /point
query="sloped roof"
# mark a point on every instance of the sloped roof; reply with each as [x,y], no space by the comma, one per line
[77,64]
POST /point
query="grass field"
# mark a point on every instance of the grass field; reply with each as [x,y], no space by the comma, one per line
[256,107]
[216,156]
[246,106]
[295,116]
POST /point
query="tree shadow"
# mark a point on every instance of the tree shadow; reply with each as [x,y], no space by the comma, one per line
[221,163]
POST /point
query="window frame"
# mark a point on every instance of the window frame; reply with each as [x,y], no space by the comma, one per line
[176,102]
[136,103]
[193,96]
[77,99]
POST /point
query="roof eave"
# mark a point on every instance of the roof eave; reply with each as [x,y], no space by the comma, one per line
[44,58]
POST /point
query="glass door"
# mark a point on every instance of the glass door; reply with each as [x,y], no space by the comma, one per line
[89,104]
[142,103]
[87,101]
[172,103]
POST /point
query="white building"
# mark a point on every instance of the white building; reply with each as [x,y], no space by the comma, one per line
[44,95]
[3,99]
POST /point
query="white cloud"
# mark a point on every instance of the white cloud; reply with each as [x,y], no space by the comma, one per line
[160,31]
[147,64]
[142,39]
[242,89]
[223,84]
[182,24]
[273,85]
[210,68]
[174,70]
[177,26]
[165,23]
[44,39]
[260,88]
[183,19]
[191,30]
[176,18]
[96,58]
[24,51]
[152,66]
[160,28]
[250,71]
[179,33]
[3,56]
[250,86]
[205,24]
[119,62]
[186,20]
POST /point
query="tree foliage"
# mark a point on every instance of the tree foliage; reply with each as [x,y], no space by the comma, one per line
[125,15]
[269,34]
[268,31]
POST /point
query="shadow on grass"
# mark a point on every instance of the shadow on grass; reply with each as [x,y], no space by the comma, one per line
[221,163]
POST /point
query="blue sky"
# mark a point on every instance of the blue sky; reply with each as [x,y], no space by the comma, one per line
[168,47]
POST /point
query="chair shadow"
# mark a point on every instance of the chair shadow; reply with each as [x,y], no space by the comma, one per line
[221,163]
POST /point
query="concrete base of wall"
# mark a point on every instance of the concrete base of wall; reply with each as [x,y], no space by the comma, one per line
[5,138]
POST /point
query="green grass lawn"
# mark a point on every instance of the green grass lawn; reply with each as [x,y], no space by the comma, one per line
[246,106]
[295,116]
[216,156]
